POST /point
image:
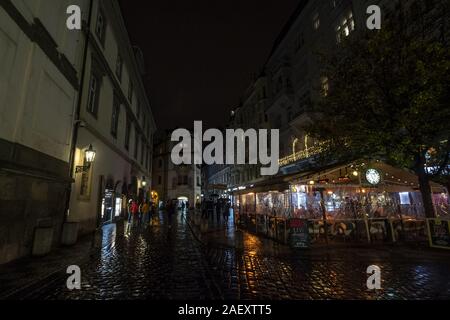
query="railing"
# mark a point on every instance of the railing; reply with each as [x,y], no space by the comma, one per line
[392,224]
[301,155]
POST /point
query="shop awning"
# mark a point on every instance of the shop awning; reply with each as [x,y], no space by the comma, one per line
[392,179]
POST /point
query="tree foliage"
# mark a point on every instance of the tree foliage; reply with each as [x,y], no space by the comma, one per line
[388,93]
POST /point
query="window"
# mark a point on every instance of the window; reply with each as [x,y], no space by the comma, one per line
[119,67]
[335,3]
[94,90]
[127,133]
[404,198]
[147,162]
[316,21]
[182,180]
[144,124]
[345,27]
[136,143]
[130,91]
[299,42]
[159,180]
[198,181]
[325,86]
[160,163]
[115,117]
[100,28]
[142,151]
[290,114]
[278,122]
[138,110]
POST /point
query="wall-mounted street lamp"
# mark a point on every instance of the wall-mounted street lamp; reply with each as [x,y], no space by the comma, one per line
[89,156]
[144,183]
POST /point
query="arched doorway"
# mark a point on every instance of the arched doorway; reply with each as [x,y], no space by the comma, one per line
[182,200]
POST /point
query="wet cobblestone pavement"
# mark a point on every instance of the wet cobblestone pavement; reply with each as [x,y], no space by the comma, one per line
[213,261]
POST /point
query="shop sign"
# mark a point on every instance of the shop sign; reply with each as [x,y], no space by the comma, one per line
[439,233]
[299,233]
[373,176]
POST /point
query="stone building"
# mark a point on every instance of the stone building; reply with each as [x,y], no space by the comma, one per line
[39,81]
[170,181]
[45,128]
[116,119]
[290,80]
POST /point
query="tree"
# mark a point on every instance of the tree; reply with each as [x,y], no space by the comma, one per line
[388,95]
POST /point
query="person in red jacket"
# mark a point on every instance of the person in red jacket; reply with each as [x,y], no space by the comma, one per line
[134,210]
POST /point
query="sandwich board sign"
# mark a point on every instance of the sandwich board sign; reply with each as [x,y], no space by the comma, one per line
[439,233]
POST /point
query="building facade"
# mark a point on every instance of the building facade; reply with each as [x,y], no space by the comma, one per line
[116,119]
[39,82]
[170,181]
[291,80]
[61,91]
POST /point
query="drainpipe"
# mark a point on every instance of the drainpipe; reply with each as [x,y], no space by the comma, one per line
[77,122]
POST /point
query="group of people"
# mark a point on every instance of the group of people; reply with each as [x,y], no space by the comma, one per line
[141,213]
[221,207]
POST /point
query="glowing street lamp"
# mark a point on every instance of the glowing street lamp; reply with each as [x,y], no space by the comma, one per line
[89,157]
[90,154]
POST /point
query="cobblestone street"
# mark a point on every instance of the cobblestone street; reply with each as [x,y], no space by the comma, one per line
[214,261]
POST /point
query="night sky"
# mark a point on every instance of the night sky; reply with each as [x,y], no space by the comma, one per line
[200,55]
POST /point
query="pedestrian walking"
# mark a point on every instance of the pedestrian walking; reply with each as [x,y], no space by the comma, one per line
[145,210]
[218,210]
[152,212]
[204,210]
[140,213]
[129,211]
[170,212]
[226,212]
[134,211]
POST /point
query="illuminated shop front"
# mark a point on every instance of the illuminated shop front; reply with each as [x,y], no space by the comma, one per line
[362,201]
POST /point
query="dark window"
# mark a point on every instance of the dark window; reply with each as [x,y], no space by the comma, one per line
[159,179]
[160,163]
[299,42]
[130,91]
[115,117]
[316,21]
[119,67]
[290,114]
[138,110]
[136,143]
[100,28]
[142,151]
[94,90]
[127,133]
[144,124]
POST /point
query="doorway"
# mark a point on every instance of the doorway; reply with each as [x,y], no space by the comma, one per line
[182,202]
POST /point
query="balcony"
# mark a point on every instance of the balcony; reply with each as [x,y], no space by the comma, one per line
[301,155]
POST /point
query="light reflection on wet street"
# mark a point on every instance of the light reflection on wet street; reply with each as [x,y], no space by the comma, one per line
[211,260]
